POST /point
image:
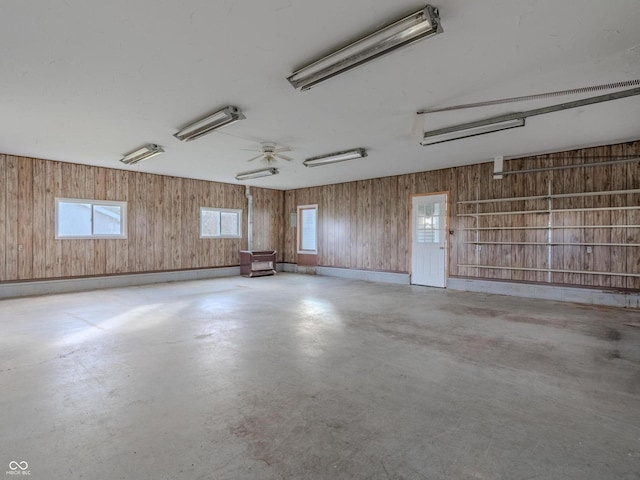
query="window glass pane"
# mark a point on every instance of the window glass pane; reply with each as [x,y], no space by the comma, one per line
[220,222]
[308,231]
[210,223]
[74,219]
[228,223]
[87,218]
[107,220]
[428,223]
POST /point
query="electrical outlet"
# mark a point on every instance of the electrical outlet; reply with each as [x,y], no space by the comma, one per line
[589,250]
[20,248]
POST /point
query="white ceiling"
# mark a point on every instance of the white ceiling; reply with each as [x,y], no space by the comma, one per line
[87,81]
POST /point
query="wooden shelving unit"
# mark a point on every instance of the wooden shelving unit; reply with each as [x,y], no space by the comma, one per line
[554,219]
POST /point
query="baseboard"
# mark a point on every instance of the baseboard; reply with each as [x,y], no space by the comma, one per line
[45,287]
[368,275]
[287,267]
[591,296]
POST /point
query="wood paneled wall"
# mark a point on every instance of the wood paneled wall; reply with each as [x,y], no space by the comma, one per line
[361,225]
[268,220]
[163,221]
[365,224]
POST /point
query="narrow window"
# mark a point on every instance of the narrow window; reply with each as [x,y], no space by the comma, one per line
[220,223]
[307,229]
[78,218]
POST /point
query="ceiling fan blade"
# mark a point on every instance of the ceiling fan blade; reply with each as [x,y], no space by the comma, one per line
[249,150]
[282,149]
[255,158]
[284,157]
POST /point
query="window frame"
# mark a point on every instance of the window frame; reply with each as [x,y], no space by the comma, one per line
[299,248]
[237,211]
[94,203]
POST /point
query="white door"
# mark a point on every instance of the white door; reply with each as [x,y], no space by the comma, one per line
[429,240]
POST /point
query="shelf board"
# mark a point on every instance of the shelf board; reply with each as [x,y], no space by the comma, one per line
[553,270]
[552,244]
[546,197]
[546,227]
[549,211]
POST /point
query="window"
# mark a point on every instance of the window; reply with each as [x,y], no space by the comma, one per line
[429,227]
[220,223]
[307,231]
[76,218]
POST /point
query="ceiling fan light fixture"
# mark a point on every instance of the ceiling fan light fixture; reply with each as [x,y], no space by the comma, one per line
[197,129]
[262,172]
[143,153]
[421,24]
[335,157]
[458,132]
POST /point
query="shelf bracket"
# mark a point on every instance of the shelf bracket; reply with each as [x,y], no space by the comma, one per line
[497,167]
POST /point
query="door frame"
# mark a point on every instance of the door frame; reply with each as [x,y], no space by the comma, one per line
[447,233]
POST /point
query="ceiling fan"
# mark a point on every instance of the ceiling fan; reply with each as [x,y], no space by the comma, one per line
[270,152]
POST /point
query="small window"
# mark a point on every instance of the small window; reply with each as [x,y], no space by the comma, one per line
[76,218]
[307,231]
[220,223]
[429,223]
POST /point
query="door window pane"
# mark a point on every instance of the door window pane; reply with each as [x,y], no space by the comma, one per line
[428,223]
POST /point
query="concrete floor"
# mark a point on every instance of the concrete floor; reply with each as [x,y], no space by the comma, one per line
[295,377]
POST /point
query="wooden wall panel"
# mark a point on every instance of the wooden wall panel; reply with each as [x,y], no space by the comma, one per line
[99,246]
[188,213]
[468,184]
[26,219]
[516,185]
[121,193]
[622,177]
[53,249]
[68,190]
[329,239]
[3,217]
[268,220]
[338,212]
[390,224]
[631,172]
[289,238]
[376,213]
[39,198]
[599,260]
[538,184]
[11,228]
[174,227]
[163,221]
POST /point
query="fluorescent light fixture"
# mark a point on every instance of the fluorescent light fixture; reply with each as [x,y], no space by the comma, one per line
[141,154]
[263,172]
[463,131]
[226,116]
[421,24]
[335,157]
